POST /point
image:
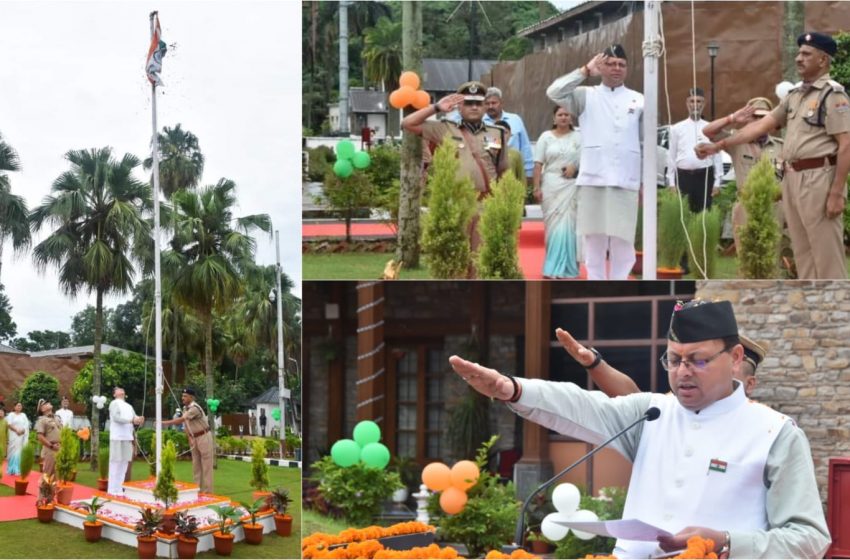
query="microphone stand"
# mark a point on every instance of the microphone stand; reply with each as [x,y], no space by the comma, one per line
[651,414]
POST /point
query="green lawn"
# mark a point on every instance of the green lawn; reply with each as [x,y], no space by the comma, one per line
[727,268]
[31,539]
[6,491]
[354,266]
[316,523]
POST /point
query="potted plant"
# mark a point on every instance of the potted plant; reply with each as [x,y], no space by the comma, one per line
[103,468]
[672,242]
[539,508]
[165,488]
[66,462]
[27,460]
[224,537]
[254,530]
[280,501]
[259,471]
[44,502]
[187,539]
[146,532]
[409,472]
[91,526]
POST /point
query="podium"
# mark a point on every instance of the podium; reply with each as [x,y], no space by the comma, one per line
[838,507]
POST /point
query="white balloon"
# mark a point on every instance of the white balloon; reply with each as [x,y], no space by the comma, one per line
[583,515]
[99,405]
[566,497]
[551,530]
[782,89]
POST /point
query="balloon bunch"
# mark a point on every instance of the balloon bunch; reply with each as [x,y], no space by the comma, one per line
[566,498]
[364,447]
[276,414]
[84,434]
[347,159]
[99,401]
[409,93]
[212,404]
[453,483]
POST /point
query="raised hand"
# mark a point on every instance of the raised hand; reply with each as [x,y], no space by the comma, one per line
[578,351]
[595,62]
[450,102]
[744,115]
[486,381]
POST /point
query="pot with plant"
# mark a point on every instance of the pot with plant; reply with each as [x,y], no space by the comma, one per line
[27,461]
[540,507]
[91,526]
[228,519]
[280,501]
[146,528]
[44,502]
[409,472]
[187,534]
[66,463]
[260,472]
[253,530]
[103,468]
[165,489]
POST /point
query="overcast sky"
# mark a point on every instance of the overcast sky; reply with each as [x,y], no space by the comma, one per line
[72,77]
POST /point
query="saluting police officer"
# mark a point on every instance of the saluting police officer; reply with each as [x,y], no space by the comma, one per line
[481,148]
[817,159]
[200,439]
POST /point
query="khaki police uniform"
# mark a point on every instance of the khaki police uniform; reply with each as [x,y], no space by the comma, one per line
[50,427]
[809,153]
[201,442]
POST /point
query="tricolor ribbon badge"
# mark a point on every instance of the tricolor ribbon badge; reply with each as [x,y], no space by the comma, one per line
[717,465]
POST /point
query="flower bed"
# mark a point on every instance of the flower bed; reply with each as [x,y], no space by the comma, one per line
[324,540]
[698,547]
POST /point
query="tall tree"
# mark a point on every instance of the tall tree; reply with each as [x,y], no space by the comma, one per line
[382,54]
[95,215]
[14,216]
[8,328]
[209,249]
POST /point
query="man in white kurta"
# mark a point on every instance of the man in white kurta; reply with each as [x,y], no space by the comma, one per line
[714,464]
[65,415]
[609,177]
[122,418]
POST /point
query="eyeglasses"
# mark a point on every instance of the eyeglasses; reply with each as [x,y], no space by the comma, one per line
[672,364]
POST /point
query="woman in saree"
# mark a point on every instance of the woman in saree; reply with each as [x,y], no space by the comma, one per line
[19,431]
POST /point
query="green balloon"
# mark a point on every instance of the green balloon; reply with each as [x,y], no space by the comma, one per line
[345,149]
[361,160]
[366,432]
[213,404]
[345,452]
[375,455]
[276,414]
[343,168]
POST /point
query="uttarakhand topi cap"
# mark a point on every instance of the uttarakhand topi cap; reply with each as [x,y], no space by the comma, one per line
[819,41]
[472,91]
[753,351]
[700,320]
[696,92]
[616,51]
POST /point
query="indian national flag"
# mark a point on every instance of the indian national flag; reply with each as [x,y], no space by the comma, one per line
[717,465]
[157,50]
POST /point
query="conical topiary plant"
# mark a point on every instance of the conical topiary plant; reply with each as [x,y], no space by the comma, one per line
[165,488]
[672,243]
[259,468]
[499,230]
[758,256]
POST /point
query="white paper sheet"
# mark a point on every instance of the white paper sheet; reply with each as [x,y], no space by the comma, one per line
[629,529]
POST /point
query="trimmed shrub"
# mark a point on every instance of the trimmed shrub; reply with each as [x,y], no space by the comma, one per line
[759,252]
[499,229]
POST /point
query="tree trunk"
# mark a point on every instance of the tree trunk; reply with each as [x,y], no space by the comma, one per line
[411,146]
[96,378]
[210,384]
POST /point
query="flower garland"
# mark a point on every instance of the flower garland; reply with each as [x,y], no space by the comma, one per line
[697,547]
[351,535]
[518,553]
[373,549]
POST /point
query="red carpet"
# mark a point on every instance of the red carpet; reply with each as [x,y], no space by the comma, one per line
[14,508]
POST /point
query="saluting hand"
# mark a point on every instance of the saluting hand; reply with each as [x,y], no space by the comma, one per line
[744,115]
[449,102]
[578,351]
[595,62]
[486,381]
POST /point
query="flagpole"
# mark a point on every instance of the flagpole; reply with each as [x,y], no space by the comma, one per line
[157,271]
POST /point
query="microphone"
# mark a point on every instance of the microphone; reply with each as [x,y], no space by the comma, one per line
[651,414]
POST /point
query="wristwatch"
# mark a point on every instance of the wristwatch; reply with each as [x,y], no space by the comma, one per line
[596,361]
[727,545]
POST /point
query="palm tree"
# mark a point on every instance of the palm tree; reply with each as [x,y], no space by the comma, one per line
[181,163]
[382,53]
[95,210]
[14,216]
[209,250]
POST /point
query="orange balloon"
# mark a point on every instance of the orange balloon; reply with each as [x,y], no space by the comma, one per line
[409,79]
[464,475]
[453,500]
[396,99]
[421,99]
[403,97]
[437,477]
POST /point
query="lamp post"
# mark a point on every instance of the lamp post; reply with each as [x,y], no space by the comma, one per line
[275,296]
[713,49]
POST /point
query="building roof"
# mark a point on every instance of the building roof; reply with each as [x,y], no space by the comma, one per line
[558,18]
[446,74]
[270,395]
[9,350]
[367,101]
[76,351]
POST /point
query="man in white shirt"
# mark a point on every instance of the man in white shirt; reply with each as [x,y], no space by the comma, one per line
[122,418]
[697,178]
[609,177]
[65,415]
[715,464]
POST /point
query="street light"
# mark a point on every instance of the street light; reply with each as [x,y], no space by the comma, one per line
[713,49]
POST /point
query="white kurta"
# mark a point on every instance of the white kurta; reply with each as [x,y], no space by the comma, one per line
[795,525]
[65,416]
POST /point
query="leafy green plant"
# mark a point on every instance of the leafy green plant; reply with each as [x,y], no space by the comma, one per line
[280,500]
[46,490]
[293,441]
[357,490]
[186,525]
[254,508]
[66,457]
[103,462]
[259,468]
[320,163]
[27,460]
[704,229]
[166,489]
[758,256]
[470,421]
[409,471]
[93,508]
[38,385]
[451,205]
[348,198]
[489,517]
[499,229]
[149,522]
[225,514]
[672,243]
[608,506]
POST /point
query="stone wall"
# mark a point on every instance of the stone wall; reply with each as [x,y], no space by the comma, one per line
[806,373]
